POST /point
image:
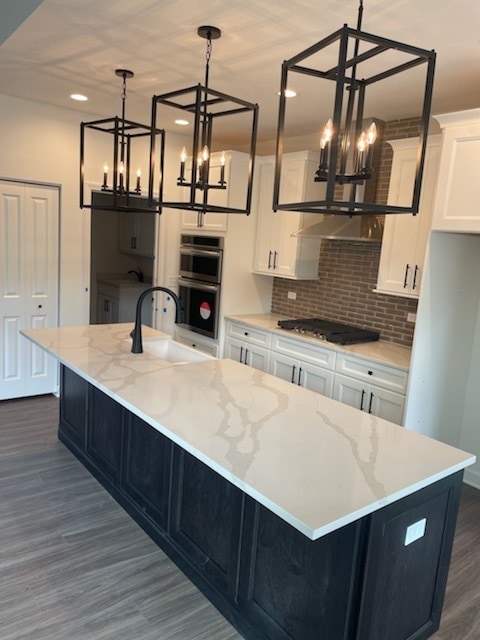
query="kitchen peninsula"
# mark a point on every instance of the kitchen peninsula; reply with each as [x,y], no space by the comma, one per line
[298,516]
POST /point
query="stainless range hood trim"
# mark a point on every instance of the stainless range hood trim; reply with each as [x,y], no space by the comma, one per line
[359,228]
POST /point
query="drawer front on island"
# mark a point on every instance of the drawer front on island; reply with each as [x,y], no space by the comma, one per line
[73,407]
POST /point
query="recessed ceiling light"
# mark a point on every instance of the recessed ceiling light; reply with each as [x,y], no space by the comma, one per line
[79,97]
[183,123]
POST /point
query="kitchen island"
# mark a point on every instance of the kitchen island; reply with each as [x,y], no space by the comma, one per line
[299,517]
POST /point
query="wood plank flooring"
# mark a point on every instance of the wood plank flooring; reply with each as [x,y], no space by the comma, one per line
[74,566]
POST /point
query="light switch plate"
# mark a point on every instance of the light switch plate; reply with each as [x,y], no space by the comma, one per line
[415,531]
[292,295]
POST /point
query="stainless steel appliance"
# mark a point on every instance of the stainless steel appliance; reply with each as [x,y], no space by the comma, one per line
[199,282]
[329,331]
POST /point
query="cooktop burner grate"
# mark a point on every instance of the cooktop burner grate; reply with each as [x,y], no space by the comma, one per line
[330,331]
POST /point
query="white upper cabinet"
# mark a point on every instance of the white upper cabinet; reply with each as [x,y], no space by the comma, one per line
[136,233]
[277,253]
[458,194]
[405,236]
[236,166]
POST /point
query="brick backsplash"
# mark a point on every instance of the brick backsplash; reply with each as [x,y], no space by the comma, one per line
[348,274]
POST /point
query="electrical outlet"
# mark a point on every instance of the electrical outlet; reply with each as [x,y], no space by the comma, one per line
[415,531]
[411,317]
[292,295]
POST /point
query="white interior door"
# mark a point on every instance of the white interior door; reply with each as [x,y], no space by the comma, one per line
[29,285]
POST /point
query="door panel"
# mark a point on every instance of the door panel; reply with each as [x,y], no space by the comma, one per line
[29,285]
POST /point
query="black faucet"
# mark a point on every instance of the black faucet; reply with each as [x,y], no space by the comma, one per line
[136,333]
[138,273]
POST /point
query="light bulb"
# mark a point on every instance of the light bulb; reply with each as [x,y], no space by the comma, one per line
[372,133]
[362,142]
[139,172]
[327,134]
[105,168]
[205,153]
[183,155]
[121,168]
[222,159]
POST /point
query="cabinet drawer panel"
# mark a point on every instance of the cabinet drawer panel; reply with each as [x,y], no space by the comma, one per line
[249,334]
[373,372]
[302,350]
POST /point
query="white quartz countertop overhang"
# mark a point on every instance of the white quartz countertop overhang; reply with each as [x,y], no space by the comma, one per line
[316,463]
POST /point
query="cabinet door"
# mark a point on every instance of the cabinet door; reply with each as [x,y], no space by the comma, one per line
[145,224]
[126,231]
[277,253]
[283,367]
[206,520]
[246,353]
[147,468]
[458,192]
[73,407]
[265,222]
[350,391]
[105,433]
[316,379]
[386,404]
[405,236]
[211,222]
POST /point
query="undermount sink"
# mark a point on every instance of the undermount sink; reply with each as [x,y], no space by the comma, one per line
[174,352]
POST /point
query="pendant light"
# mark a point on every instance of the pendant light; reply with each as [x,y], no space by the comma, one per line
[125,148]
[350,137]
[202,170]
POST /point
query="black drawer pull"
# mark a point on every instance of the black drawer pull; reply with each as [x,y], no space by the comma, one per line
[361,401]
[370,403]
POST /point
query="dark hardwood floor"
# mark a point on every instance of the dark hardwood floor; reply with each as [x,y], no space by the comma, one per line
[75,566]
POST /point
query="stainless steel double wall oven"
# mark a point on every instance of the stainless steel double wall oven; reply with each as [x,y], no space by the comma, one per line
[199,282]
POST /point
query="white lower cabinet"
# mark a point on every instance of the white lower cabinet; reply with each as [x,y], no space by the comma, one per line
[301,373]
[248,345]
[362,383]
[370,398]
[376,388]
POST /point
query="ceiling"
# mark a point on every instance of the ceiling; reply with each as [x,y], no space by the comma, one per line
[68,46]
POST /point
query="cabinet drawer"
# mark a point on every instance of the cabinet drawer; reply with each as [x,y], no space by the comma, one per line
[373,372]
[316,354]
[249,334]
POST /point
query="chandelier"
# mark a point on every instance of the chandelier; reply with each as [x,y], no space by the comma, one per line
[124,146]
[351,64]
[203,161]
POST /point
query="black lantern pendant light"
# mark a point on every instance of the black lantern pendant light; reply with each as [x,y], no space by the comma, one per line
[202,162]
[121,187]
[348,139]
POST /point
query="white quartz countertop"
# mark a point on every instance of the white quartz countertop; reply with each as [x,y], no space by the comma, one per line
[313,461]
[380,350]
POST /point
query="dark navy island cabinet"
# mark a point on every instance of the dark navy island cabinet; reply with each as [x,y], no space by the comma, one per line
[359,582]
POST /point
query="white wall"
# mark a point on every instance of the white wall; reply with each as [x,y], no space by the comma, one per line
[443,399]
[40,143]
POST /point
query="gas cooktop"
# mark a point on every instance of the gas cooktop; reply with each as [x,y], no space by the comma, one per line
[330,331]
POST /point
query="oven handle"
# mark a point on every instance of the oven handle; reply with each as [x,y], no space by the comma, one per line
[196,284]
[192,251]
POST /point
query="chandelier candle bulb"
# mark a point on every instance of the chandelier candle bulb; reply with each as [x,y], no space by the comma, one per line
[222,169]
[121,170]
[105,177]
[138,188]
[183,158]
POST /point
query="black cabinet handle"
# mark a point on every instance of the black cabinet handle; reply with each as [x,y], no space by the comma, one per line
[241,355]
[269,259]
[415,277]
[299,376]
[293,374]
[275,254]
[246,356]
[361,401]
[370,403]
[407,269]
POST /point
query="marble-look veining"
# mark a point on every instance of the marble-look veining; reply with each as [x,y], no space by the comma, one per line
[380,350]
[313,461]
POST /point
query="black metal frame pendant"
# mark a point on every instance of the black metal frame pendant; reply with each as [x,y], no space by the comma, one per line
[351,84]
